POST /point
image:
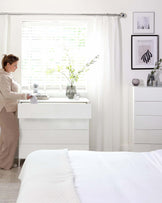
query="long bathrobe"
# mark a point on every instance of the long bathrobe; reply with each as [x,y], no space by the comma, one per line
[8,120]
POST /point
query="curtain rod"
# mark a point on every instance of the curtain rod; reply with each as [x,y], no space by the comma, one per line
[67,14]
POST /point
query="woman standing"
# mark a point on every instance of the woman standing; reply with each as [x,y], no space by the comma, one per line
[8,105]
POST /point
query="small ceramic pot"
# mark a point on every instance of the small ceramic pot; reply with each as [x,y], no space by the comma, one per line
[135,82]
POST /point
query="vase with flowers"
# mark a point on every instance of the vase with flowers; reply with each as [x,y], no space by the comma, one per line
[72,75]
[153,78]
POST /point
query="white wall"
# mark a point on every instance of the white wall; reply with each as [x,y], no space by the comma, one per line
[101,6]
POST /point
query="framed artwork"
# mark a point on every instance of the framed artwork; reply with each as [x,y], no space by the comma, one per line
[143,22]
[144,51]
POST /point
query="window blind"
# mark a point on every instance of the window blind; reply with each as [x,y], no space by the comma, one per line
[49,44]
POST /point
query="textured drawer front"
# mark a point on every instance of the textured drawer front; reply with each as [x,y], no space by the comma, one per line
[54,136]
[148,136]
[148,94]
[148,122]
[148,108]
[24,150]
[49,124]
[57,111]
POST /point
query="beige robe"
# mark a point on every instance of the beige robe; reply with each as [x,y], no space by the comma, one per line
[8,120]
[9,138]
[9,92]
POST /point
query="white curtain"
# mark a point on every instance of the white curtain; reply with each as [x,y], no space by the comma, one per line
[4,24]
[105,87]
[4,35]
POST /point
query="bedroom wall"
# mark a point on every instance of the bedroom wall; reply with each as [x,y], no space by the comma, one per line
[101,6]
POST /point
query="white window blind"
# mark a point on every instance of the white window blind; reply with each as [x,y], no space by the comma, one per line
[48,44]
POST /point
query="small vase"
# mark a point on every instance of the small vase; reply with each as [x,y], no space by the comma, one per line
[70,91]
[150,79]
[158,76]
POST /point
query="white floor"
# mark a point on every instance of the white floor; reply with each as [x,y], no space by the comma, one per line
[9,185]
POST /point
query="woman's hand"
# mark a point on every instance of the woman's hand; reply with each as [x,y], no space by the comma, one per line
[29,96]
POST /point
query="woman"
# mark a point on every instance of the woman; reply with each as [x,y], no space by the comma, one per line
[8,105]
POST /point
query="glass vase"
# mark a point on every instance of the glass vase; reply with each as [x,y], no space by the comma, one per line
[70,91]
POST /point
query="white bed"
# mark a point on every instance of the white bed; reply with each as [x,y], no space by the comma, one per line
[62,176]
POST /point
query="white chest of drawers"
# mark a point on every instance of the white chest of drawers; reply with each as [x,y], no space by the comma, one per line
[54,124]
[147,118]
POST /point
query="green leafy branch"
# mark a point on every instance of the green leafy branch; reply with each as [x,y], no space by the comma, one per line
[72,74]
[157,66]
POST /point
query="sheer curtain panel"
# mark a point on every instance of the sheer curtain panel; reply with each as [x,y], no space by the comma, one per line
[4,26]
[104,87]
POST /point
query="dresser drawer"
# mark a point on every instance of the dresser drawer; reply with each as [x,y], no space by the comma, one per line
[53,124]
[148,136]
[148,108]
[55,111]
[148,122]
[54,136]
[148,94]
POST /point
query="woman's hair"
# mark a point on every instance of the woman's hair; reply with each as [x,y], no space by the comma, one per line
[9,59]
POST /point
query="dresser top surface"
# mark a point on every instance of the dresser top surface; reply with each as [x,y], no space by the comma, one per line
[147,87]
[58,100]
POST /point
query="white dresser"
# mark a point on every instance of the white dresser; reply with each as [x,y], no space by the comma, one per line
[147,118]
[54,124]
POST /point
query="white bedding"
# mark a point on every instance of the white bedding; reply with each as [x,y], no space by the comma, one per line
[99,177]
[46,177]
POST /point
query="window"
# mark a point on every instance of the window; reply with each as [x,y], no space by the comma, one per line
[48,44]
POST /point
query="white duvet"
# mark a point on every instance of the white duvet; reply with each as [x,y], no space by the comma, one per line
[48,176]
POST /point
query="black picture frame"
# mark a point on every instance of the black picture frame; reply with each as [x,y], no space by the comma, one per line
[144,51]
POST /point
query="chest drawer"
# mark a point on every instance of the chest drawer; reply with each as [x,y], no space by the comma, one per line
[148,122]
[148,136]
[147,94]
[54,111]
[54,136]
[148,108]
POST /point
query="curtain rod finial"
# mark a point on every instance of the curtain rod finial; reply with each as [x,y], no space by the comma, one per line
[123,15]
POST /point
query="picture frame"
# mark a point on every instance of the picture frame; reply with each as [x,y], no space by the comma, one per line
[144,51]
[143,22]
